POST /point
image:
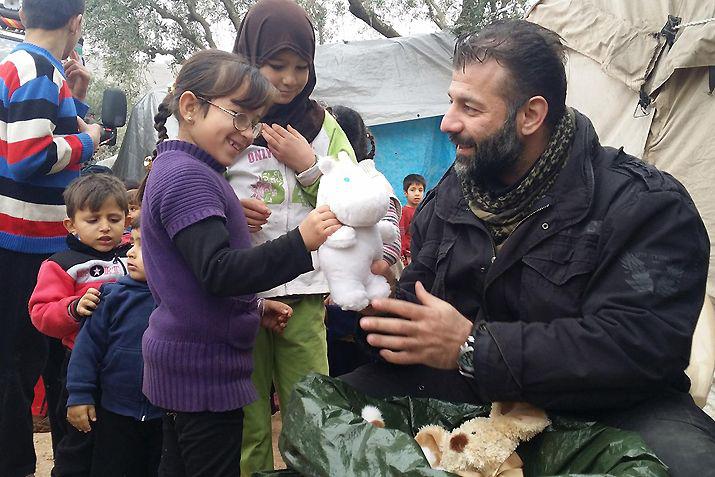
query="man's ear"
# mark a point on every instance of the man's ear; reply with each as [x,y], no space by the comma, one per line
[188,106]
[75,23]
[69,225]
[127,221]
[532,115]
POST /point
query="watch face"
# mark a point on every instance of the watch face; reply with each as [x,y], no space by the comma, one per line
[466,362]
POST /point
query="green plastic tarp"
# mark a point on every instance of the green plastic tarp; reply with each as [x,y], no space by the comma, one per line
[325,435]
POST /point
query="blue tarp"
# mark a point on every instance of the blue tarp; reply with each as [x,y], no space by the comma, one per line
[412,147]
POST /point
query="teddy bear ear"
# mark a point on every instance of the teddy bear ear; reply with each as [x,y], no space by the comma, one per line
[523,419]
[431,439]
[326,164]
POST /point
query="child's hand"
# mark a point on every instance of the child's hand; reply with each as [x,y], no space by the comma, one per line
[289,147]
[275,315]
[256,213]
[88,303]
[320,224]
[80,416]
[94,131]
[78,76]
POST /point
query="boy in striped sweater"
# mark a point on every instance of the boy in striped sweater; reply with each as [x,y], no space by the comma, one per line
[43,142]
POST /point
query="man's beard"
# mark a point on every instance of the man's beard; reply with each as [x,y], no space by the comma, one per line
[491,158]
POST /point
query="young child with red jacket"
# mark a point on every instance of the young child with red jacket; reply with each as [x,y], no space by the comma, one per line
[68,284]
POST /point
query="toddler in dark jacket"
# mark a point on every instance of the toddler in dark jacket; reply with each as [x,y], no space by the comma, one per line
[104,378]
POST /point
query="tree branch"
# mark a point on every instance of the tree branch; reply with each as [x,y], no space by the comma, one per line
[176,53]
[437,15]
[185,30]
[194,16]
[232,13]
[371,18]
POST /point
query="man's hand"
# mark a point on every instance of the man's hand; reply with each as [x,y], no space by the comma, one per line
[94,131]
[81,415]
[256,212]
[289,147]
[429,334]
[275,315]
[88,303]
[78,76]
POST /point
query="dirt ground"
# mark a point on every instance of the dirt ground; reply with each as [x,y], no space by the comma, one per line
[43,448]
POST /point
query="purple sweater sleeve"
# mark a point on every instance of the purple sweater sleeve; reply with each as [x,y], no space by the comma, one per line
[189,195]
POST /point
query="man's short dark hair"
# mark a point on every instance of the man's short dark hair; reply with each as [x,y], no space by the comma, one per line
[92,191]
[533,56]
[50,14]
[413,179]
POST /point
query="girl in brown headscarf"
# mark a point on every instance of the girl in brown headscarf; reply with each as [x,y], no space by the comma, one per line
[277,179]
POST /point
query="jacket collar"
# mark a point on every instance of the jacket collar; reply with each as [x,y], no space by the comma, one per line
[75,244]
[130,282]
[568,200]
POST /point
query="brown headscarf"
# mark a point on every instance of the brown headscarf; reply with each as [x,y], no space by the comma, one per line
[269,27]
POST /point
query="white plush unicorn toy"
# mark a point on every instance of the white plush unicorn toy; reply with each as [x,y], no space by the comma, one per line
[359,196]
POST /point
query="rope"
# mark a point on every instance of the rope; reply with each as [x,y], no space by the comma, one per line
[699,22]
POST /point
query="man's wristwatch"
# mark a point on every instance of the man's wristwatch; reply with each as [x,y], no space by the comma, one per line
[465,361]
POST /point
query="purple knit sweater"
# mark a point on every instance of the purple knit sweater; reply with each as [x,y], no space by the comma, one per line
[197,349]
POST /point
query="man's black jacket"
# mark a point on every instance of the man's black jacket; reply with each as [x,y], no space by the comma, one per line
[592,301]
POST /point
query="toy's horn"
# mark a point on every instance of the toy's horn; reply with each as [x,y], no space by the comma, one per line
[326,164]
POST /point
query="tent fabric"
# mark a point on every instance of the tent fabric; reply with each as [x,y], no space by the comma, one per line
[624,49]
[614,49]
[140,138]
[387,80]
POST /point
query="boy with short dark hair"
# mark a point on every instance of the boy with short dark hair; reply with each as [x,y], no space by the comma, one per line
[42,144]
[104,377]
[414,186]
[68,283]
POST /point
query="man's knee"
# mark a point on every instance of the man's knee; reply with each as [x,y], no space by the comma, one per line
[679,433]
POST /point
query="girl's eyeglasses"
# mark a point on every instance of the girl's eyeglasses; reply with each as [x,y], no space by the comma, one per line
[241,121]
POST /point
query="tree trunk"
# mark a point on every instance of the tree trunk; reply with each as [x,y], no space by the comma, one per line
[232,13]
[437,15]
[371,18]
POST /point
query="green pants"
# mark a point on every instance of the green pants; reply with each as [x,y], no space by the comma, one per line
[283,360]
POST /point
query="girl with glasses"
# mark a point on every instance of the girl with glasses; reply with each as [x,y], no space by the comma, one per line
[202,270]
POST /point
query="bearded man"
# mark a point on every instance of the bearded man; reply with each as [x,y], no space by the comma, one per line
[547,268]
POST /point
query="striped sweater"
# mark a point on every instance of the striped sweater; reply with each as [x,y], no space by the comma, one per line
[41,149]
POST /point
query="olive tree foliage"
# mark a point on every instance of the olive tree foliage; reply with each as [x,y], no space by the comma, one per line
[453,15]
[124,36]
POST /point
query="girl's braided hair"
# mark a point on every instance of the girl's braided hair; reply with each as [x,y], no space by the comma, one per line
[210,74]
[357,133]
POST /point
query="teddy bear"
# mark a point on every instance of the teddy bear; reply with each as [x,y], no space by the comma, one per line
[359,197]
[484,446]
